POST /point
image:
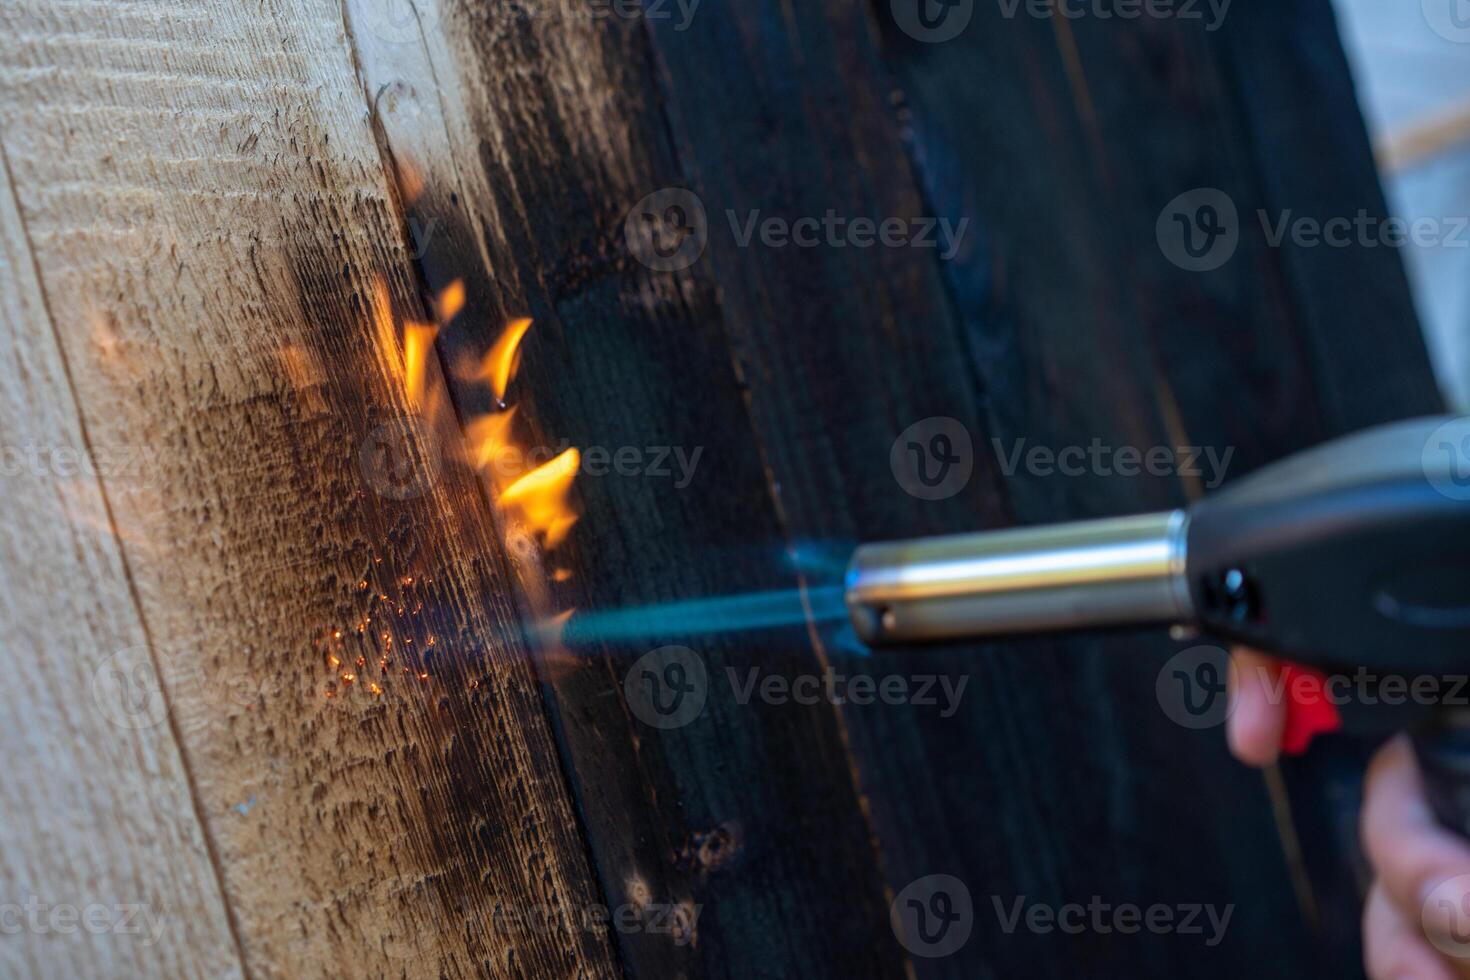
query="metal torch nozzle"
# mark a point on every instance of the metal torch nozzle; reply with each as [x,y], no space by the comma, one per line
[1091,573]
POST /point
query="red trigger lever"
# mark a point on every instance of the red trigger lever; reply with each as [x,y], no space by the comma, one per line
[1309,710]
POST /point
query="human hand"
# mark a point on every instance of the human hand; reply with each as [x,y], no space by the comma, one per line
[1420,898]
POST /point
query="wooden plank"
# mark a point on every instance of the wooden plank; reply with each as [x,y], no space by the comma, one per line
[1068,324]
[1255,327]
[212,221]
[104,860]
[1292,82]
[1290,77]
[549,132]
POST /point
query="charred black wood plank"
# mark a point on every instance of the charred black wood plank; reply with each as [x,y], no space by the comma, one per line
[1060,321]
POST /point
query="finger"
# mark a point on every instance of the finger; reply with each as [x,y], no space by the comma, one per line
[1423,868]
[1257,718]
[1393,946]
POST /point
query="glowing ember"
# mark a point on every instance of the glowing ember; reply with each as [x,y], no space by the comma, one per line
[538,501]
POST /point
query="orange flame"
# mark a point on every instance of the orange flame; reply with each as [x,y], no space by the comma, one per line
[541,497]
[418,340]
[489,437]
[450,301]
[410,182]
[500,363]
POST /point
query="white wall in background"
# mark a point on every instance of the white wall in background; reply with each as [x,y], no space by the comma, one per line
[1411,61]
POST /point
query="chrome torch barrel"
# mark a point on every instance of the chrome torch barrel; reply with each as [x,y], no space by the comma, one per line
[1067,576]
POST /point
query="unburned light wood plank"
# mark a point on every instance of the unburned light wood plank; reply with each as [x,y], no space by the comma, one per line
[102,857]
[317,578]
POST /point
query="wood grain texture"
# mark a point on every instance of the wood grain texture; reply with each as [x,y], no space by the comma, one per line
[1033,334]
[98,821]
[549,134]
[1369,360]
[210,216]
[1277,349]
[352,770]
[1058,322]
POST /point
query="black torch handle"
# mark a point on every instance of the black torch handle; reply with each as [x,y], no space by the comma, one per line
[1443,748]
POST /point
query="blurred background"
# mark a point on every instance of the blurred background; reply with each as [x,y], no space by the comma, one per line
[1415,93]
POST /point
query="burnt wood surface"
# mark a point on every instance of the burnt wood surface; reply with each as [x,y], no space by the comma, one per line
[334,756]
[1058,321]
[408,828]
